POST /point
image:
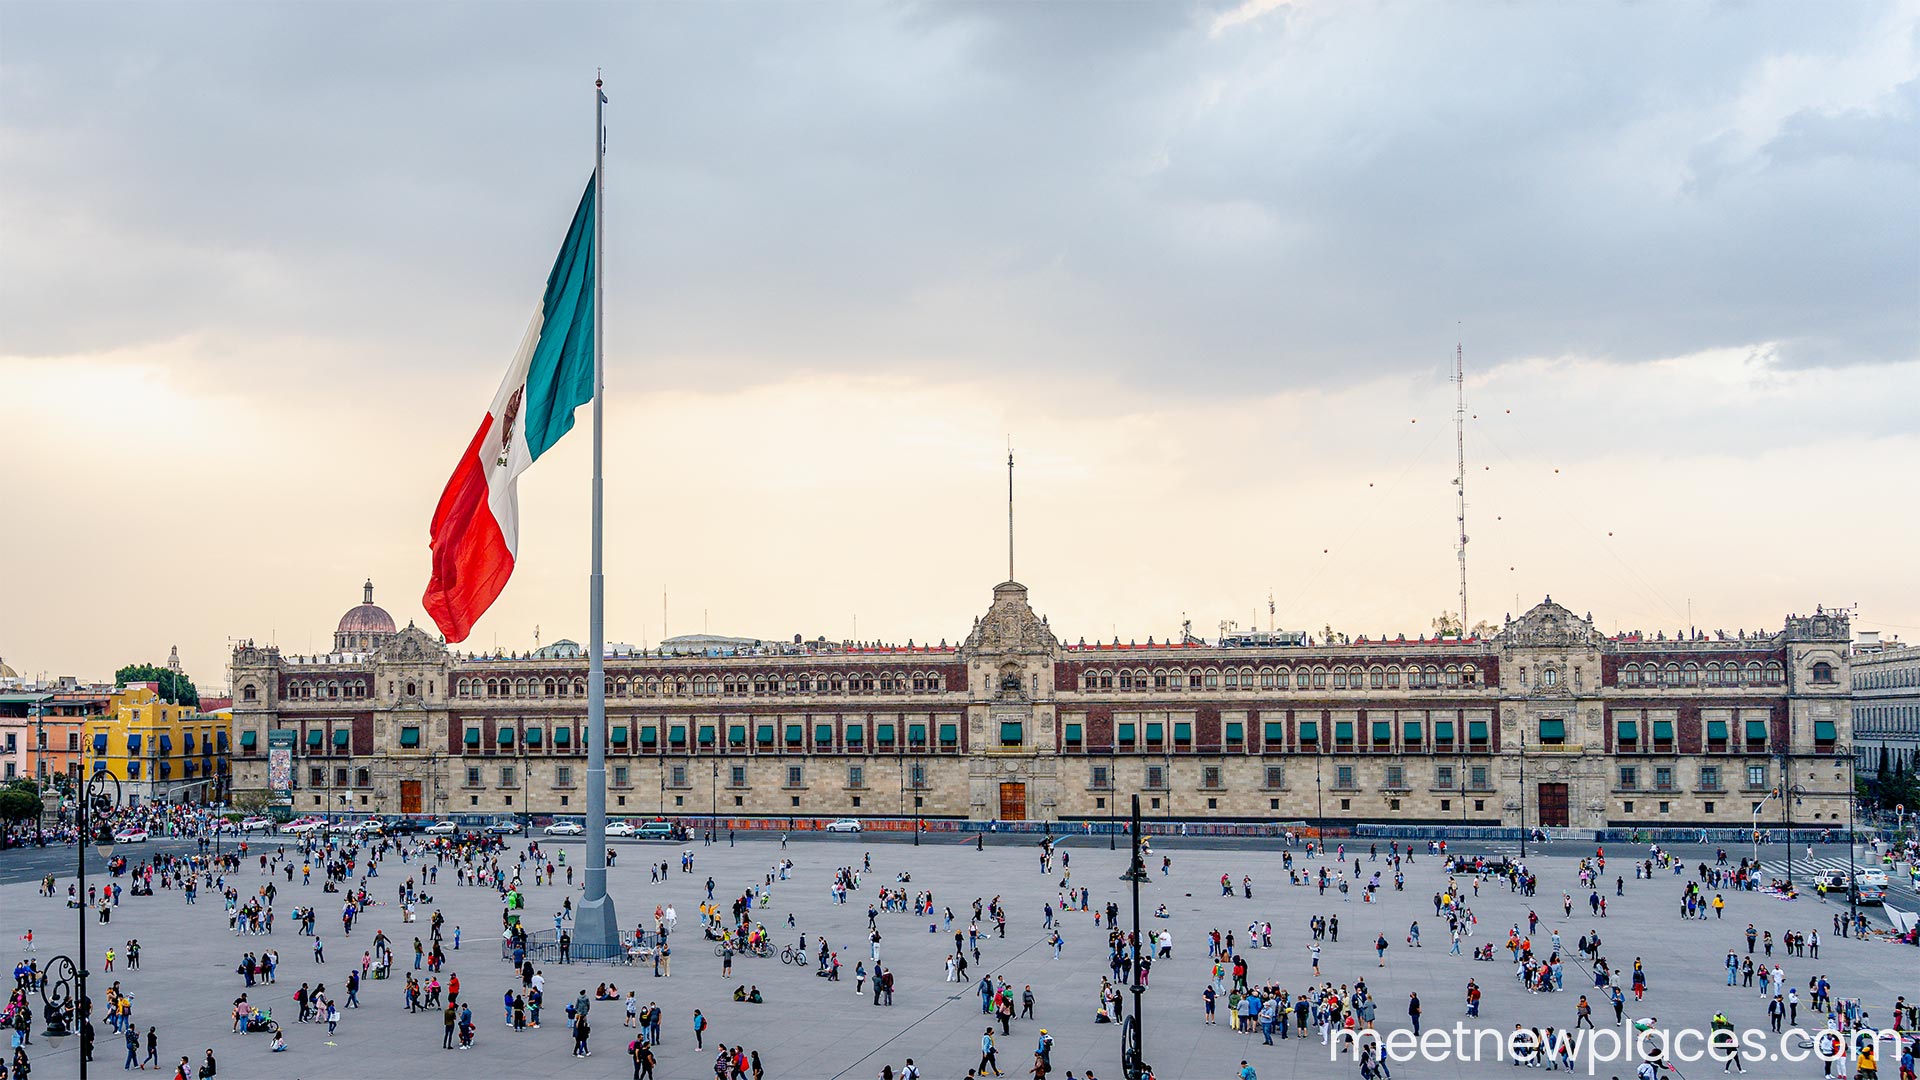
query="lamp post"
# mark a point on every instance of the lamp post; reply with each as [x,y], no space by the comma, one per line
[1133,1040]
[1853,904]
[713,816]
[1523,790]
[100,794]
[919,801]
[1319,806]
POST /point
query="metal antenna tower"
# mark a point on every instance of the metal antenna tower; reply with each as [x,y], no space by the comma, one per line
[1460,471]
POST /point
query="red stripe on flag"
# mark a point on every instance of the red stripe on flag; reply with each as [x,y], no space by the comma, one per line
[471,563]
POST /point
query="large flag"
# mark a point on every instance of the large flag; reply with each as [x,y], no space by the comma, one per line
[476,527]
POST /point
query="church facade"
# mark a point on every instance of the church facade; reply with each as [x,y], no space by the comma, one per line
[1546,723]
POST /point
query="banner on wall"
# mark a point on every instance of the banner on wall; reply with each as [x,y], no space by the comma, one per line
[280,762]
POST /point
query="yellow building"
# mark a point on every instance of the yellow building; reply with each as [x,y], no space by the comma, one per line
[160,752]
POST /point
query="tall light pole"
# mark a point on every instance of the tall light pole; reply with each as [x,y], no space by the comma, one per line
[713,816]
[1133,1038]
[1523,789]
[1853,906]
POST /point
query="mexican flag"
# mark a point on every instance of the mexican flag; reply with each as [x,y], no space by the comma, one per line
[476,526]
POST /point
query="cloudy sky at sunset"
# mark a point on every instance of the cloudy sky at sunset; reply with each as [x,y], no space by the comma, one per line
[1206,264]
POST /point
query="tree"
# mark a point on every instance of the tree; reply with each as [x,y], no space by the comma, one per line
[1446,624]
[175,688]
[253,801]
[17,806]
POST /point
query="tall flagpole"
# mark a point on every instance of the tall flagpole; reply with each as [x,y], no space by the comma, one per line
[596,927]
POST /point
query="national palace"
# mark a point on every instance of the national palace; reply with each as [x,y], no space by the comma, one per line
[1546,722]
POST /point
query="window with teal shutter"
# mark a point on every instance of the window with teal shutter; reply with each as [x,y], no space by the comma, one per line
[1155,733]
[823,734]
[677,735]
[533,737]
[706,734]
[737,734]
[917,734]
[1716,731]
[619,736]
[764,735]
[504,736]
[1309,732]
[649,735]
[1343,732]
[1477,731]
[854,735]
[883,734]
[1382,731]
[795,734]
[949,734]
[1756,731]
[1182,732]
[1236,731]
[1443,731]
[1410,732]
[563,736]
[1011,733]
[1073,734]
[1126,735]
[409,736]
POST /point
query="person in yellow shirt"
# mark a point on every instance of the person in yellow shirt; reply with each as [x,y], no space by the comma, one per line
[1719,905]
[1867,1067]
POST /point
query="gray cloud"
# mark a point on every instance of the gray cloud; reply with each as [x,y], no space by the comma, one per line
[1107,191]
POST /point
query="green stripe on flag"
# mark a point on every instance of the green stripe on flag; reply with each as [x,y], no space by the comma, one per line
[560,374]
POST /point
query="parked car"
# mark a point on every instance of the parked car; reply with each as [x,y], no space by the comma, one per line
[130,836]
[565,828]
[256,824]
[845,824]
[621,828]
[441,828]
[506,828]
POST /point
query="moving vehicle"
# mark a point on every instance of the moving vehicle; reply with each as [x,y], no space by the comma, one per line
[256,824]
[1869,887]
[303,827]
[441,828]
[621,828]
[843,825]
[1833,879]
[505,828]
[130,836]
[565,828]
[655,830]
[369,827]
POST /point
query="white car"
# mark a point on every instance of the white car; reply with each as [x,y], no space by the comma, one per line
[369,827]
[302,828]
[441,828]
[621,828]
[845,824]
[130,836]
[257,824]
[564,828]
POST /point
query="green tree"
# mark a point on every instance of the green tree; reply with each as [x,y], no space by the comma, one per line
[175,688]
[17,806]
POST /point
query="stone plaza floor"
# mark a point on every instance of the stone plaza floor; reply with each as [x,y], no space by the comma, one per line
[815,1029]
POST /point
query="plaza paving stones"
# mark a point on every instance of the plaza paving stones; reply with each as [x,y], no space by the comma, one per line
[815,1029]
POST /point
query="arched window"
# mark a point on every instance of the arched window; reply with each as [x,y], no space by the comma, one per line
[249,693]
[1822,672]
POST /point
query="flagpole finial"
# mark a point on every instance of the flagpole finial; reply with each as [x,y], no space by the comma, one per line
[597,82]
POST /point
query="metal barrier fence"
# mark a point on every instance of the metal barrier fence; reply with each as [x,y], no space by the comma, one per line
[543,946]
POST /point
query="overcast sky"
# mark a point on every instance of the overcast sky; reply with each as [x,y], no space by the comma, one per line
[1206,263]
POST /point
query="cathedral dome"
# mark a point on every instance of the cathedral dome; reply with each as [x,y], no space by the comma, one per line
[364,626]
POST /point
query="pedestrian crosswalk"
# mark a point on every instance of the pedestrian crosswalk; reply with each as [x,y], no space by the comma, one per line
[1821,865]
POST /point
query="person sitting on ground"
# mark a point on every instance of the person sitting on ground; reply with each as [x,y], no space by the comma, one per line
[753,997]
[279,1041]
[739,993]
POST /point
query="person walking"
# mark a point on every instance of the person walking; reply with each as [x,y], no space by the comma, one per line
[989,1057]
[133,1048]
[153,1049]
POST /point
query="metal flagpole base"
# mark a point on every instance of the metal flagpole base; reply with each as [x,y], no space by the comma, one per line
[596,929]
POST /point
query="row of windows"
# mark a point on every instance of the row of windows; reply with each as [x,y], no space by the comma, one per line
[1314,678]
[853,736]
[1709,778]
[1712,674]
[315,688]
[1879,719]
[1411,735]
[1889,679]
[706,686]
[1343,777]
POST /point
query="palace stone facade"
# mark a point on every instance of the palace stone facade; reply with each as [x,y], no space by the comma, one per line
[1547,722]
